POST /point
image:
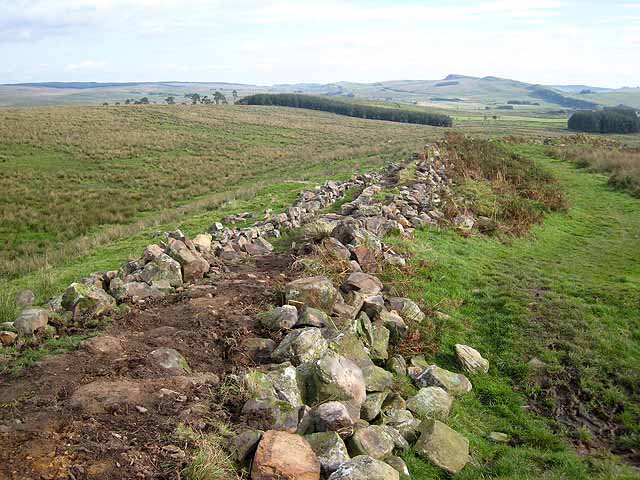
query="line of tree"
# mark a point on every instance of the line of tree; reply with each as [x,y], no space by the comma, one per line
[611,120]
[349,109]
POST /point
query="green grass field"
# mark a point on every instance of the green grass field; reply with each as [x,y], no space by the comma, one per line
[566,294]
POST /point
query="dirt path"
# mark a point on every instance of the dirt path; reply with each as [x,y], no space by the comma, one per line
[50,433]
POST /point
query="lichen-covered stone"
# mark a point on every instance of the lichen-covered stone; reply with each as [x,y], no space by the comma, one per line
[442,446]
[87,300]
[403,421]
[333,417]
[471,360]
[377,379]
[301,346]
[279,318]
[453,383]
[430,402]
[162,267]
[372,405]
[373,441]
[330,450]
[169,361]
[362,283]
[406,308]
[316,292]
[270,414]
[363,467]
[30,320]
[397,365]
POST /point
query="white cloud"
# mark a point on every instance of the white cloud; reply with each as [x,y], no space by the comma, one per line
[85,65]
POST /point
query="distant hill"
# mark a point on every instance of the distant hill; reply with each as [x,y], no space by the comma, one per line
[455,91]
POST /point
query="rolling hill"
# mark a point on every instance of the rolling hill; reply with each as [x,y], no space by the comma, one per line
[453,92]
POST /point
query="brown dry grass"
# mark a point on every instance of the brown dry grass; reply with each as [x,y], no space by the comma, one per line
[622,165]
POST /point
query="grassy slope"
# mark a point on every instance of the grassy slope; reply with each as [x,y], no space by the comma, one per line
[567,294]
[72,172]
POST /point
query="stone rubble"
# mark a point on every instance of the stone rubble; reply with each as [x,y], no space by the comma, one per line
[325,395]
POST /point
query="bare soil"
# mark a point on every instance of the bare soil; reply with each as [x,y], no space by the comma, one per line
[45,435]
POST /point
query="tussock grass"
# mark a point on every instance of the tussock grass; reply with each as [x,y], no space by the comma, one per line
[622,165]
[509,189]
[210,461]
[75,178]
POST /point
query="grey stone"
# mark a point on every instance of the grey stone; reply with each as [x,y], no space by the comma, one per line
[102,345]
[244,445]
[363,467]
[430,402]
[442,446]
[397,365]
[403,421]
[258,349]
[377,379]
[169,361]
[406,308]
[372,405]
[301,346]
[316,292]
[87,300]
[471,360]
[279,318]
[271,414]
[312,317]
[330,450]
[453,383]
[25,298]
[362,283]
[373,441]
[398,464]
[333,417]
[162,267]
[30,320]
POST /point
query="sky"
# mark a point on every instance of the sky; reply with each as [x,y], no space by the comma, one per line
[290,41]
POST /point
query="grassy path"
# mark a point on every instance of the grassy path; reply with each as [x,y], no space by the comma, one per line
[567,294]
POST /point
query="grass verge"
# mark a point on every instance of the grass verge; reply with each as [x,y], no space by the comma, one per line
[565,294]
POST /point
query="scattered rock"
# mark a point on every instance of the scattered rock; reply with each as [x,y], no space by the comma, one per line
[258,349]
[87,300]
[372,406]
[499,437]
[8,338]
[403,421]
[271,414]
[25,298]
[312,317]
[162,268]
[102,345]
[442,446]
[104,396]
[407,308]
[364,467]
[453,383]
[430,402]
[471,360]
[30,320]
[284,456]
[397,365]
[169,361]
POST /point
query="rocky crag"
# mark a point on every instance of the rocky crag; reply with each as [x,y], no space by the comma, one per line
[319,396]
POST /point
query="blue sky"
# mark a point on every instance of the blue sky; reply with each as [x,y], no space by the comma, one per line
[250,41]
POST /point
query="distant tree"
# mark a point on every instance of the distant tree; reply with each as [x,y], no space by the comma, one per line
[117,103]
[170,100]
[235,96]
[105,104]
[127,101]
[143,101]
[609,120]
[219,97]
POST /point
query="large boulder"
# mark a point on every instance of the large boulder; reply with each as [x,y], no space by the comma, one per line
[30,320]
[335,377]
[364,467]
[362,283]
[330,450]
[162,268]
[373,441]
[316,292]
[87,300]
[430,402]
[453,383]
[193,265]
[300,346]
[442,446]
[471,360]
[284,456]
